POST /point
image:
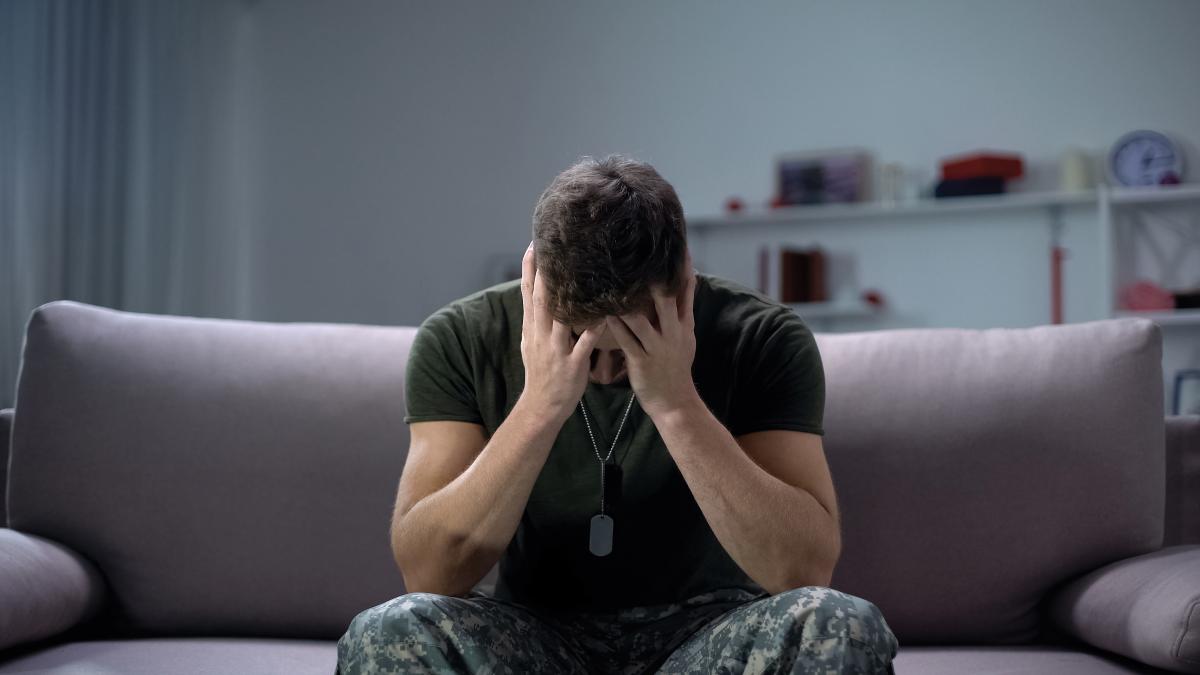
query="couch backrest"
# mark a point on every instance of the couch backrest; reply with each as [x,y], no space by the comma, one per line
[1182,517]
[979,468]
[238,477]
[6,420]
[225,476]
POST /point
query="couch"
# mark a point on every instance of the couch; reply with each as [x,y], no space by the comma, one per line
[195,495]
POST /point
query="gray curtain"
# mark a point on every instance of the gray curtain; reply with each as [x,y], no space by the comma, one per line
[113,114]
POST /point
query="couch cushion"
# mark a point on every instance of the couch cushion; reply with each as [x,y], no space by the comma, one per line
[181,656]
[227,477]
[978,468]
[1027,660]
[45,588]
[1147,608]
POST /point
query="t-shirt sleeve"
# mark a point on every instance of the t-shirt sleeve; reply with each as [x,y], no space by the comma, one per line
[783,386]
[437,379]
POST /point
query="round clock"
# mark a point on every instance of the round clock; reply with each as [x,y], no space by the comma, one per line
[1145,158]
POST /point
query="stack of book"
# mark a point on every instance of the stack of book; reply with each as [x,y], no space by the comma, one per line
[981,173]
[802,275]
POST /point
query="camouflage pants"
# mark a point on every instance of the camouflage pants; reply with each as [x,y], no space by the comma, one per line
[813,629]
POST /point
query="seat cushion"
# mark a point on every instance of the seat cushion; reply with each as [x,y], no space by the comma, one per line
[1022,660]
[188,656]
[181,656]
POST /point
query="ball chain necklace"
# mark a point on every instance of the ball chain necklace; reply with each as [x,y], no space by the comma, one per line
[600,536]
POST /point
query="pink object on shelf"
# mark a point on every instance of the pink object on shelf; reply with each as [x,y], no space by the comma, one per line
[1145,295]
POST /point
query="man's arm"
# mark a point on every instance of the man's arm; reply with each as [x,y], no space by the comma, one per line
[461,497]
[768,496]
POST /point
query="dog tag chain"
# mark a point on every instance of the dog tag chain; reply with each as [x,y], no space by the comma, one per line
[600,535]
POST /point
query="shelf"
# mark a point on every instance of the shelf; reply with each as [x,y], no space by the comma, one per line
[1167,317]
[1155,195]
[877,210]
[833,310]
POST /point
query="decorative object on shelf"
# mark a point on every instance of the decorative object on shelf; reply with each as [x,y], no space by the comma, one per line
[1058,254]
[983,164]
[873,298]
[918,185]
[978,173]
[1074,171]
[891,183]
[823,177]
[1144,158]
[734,204]
[969,187]
[1189,299]
[1145,295]
[802,275]
[1186,399]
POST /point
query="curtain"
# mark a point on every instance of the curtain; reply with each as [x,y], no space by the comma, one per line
[113,118]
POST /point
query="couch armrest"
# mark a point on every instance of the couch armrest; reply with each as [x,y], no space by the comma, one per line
[44,588]
[1146,608]
[6,421]
[1182,518]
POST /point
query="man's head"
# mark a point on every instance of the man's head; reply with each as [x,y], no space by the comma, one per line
[606,231]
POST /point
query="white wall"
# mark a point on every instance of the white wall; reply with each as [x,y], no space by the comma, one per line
[401,145]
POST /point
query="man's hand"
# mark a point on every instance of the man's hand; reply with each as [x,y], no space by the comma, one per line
[556,374]
[660,360]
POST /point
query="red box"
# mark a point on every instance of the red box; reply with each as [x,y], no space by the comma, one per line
[981,164]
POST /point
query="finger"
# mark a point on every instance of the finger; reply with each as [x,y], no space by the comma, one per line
[646,335]
[587,341]
[560,337]
[541,313]
[625,337]
[687,305]
[664,304]
[528,269]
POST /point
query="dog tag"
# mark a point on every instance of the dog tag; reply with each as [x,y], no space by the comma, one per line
[600,539]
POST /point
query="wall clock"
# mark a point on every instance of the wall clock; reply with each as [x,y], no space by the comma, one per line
[1141,158]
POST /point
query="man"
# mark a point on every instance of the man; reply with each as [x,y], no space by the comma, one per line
[638,445]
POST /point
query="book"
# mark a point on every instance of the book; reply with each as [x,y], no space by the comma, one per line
[802,275]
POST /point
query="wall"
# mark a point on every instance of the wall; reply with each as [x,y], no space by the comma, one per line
[400,146]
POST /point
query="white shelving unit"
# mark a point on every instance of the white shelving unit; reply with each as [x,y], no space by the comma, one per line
[1138,214]
[1052,203]
[1154,195]
[1113,205]
[1012,201]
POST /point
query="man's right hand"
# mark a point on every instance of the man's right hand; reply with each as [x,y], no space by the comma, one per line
[556,373]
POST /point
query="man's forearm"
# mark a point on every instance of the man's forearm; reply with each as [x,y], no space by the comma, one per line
[779,534]
[450,539]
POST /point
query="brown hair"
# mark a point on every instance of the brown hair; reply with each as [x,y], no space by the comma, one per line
[605,231]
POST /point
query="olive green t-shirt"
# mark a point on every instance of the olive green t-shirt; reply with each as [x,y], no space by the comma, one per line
[757,367]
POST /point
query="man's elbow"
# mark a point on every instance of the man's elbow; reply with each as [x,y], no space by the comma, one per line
[816,570]
[800,579]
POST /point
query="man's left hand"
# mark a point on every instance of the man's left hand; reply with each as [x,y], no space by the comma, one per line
[660,360]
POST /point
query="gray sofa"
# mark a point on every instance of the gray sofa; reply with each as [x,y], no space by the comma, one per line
[190,495]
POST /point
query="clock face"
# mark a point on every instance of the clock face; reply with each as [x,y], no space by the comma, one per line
[1146,158]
